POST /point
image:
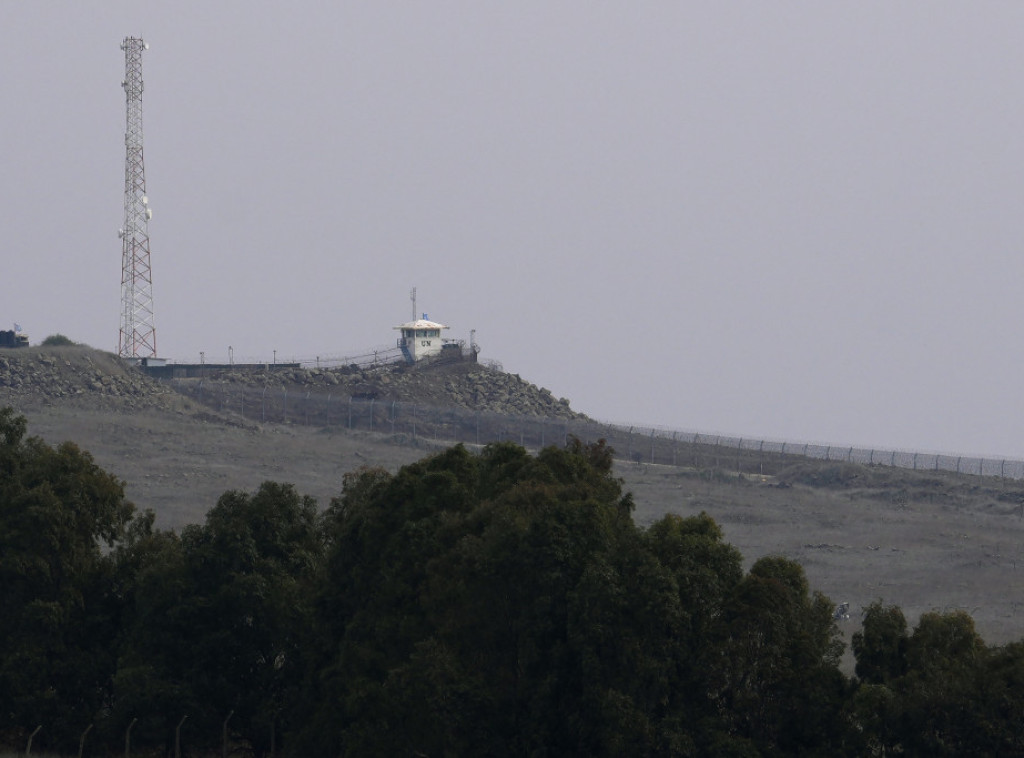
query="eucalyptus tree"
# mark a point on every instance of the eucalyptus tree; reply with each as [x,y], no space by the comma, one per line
[60,514]
[219,618]
[502,603]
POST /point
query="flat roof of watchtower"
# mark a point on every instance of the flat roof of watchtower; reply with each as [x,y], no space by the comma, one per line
[421,323]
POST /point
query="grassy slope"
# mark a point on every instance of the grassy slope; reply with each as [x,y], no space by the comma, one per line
[922,540]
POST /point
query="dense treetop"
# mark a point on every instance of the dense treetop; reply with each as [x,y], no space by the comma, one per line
[473,603]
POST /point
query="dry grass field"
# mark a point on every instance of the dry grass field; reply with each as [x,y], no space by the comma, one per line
[921,540]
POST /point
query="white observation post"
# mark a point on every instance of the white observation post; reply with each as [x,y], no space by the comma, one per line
[420,339]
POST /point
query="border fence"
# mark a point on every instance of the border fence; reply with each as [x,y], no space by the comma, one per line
[368,359]
[637,444]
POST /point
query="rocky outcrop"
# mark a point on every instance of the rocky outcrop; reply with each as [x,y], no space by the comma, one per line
[77,376]
[92,378]
[462,384]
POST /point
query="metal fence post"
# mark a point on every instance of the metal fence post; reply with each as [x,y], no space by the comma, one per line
[128,739]
[81,742]
[177,737]
[28,748]
[224,733]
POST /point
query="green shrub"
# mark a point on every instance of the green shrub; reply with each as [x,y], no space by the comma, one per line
[57,340]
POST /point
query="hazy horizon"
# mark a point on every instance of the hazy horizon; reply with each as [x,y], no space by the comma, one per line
[788,221]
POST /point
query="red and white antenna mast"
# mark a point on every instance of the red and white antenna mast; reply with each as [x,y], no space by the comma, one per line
[138,335]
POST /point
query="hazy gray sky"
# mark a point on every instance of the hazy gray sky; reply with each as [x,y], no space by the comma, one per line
[798,220]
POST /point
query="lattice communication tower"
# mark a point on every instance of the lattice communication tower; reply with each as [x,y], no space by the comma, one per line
[138,335]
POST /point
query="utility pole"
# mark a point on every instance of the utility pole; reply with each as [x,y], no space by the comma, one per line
[138,335]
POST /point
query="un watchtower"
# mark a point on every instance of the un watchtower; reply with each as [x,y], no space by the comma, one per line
[421,339]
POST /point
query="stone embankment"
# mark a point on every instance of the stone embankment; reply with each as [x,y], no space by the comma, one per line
[92,378]
[460,384]
[77,376]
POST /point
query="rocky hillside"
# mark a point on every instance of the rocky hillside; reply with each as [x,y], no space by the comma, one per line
[78,376]
[462,384]
[95,379]
[921,540]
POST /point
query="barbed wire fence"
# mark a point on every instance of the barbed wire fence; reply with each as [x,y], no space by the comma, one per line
[636,444]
